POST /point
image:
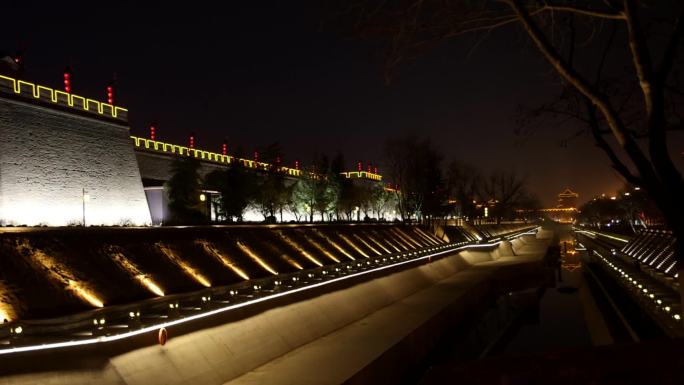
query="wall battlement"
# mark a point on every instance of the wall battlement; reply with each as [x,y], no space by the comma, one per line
[362,174]
[49,95]
[144,144]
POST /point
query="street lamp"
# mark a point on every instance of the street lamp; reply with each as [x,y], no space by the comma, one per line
[85,198]
[203,199]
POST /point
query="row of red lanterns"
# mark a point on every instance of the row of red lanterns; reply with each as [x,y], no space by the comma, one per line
[67,76]
[224,151]
[224,146]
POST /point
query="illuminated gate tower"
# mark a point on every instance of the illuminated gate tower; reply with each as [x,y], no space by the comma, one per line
[566,210]
[65,158]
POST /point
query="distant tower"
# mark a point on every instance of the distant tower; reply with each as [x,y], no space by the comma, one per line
[568,199]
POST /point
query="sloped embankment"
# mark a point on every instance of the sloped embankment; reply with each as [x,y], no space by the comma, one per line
[54,272]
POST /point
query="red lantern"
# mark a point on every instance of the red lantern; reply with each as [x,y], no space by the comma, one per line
[67,80]
[359,166]
[153,132]
[192,141]
[224,148]
[110,95]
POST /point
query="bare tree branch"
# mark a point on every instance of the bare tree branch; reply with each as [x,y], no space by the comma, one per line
[584,11]
[640,54]
[616,125]
[671,50]
[618,165]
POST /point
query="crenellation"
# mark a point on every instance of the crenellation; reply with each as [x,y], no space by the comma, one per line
[49,95]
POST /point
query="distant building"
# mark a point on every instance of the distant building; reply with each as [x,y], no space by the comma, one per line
[567,199]
[566,209]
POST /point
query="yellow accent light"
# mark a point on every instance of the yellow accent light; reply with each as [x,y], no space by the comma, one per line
[352,245]
[320,248]
[209,156]
[427,236]
[297,247]
[387,241]
[399,240]
[407,238]
[224,260]
[361,174]
[61,274]
[48,94]
[116,255]
[255,257]
[379,244]
[6,300]
[189,270]
[366,244]
[335,245]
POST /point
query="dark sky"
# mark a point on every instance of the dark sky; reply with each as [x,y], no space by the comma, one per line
[259,75]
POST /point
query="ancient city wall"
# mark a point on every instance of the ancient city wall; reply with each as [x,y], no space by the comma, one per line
[49,155]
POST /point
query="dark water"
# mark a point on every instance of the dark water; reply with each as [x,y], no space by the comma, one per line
[559,321]
[535,320]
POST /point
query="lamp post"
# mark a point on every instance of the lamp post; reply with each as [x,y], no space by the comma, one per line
[203,199]
[85,198]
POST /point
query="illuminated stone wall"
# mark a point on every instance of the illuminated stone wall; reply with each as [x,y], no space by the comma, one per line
[47,158]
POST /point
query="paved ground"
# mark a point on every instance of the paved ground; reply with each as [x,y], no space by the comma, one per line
[339,356]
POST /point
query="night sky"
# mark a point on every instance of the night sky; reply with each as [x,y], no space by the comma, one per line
[260,75]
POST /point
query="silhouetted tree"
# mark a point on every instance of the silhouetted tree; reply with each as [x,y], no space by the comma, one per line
[237,187]
[414,167]
[463,182]
[184,189]
[647,34]
[505,192]
[271,195]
